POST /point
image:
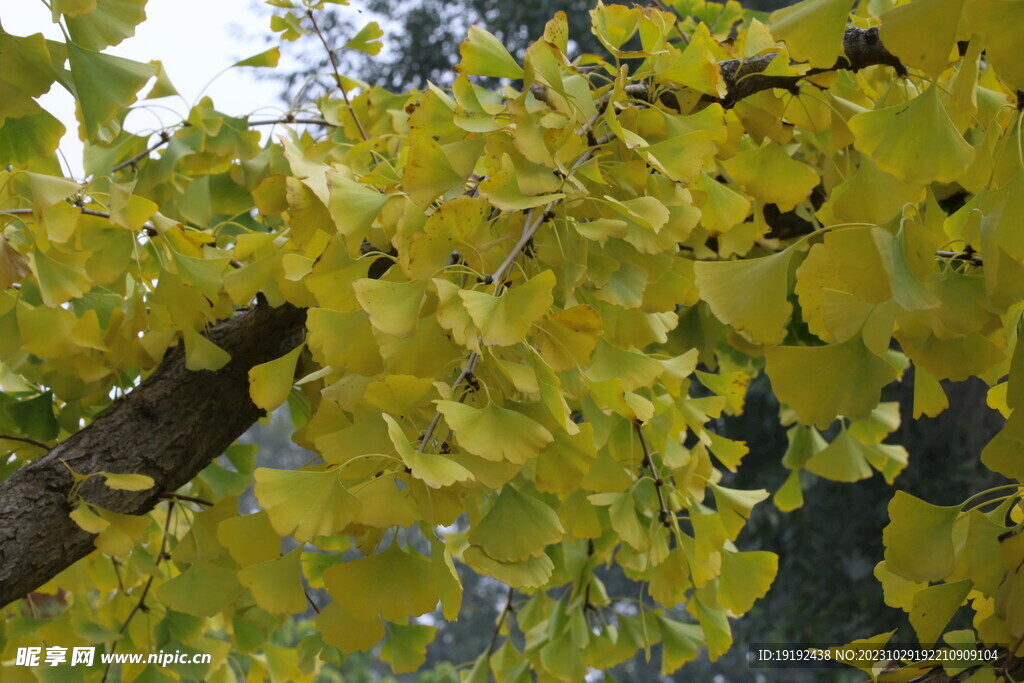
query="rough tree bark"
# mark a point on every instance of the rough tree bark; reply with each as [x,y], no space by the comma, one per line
[169,428]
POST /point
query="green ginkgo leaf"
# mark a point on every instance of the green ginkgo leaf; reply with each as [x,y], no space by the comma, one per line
[821,382]
[406,646]
[516,528]
[107,24]
[305,504]
[934,606]
[505,320]
[919,538]
[915,141]
[366,40]
[749,294]
[267,58]
[680,643]
[495,433]
[845,459]
[28,138]
[105,84]
[434,470]
[534,572]
[484,55]
[347,633]
[404,585]
[276,585]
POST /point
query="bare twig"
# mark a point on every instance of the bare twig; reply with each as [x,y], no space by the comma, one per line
[337,72]
[967,256]
[140,604]
[501,620]
[165,137]
[167,495]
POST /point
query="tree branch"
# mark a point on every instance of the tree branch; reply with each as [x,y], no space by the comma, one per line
[744,77]
[168,428]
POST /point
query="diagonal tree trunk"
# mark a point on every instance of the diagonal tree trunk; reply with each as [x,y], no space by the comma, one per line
[169,428]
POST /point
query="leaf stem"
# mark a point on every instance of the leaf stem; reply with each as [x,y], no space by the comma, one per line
[665,516]
[23,439]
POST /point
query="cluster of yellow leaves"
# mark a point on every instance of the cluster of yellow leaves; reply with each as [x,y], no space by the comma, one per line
[518,391]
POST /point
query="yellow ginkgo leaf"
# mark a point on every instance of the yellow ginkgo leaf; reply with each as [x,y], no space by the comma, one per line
[203,590]
[916,141]
[813,30]
[276,585]
[566,339]
[516,528]
[250,539]
[746,576]
[1001,26]
[270,383]
[343,340]
[444,233]
[770,174]
[61,277]
[404,585]
[505,320]
[434,470]
[428,173]
[305,504]
[128,482]
[393,307]
[505,192]
[353,205]
[495,433]
[750,294]
[201,353]
[821,382]
[921,33]
[484,55]
[720,207]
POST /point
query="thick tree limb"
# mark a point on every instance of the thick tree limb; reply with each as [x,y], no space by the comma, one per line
[169,428]
[862,48]
[745,77]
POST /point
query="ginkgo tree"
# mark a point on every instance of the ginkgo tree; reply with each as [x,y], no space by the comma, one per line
[506,322]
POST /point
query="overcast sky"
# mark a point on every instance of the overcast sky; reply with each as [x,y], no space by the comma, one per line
[194,39]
